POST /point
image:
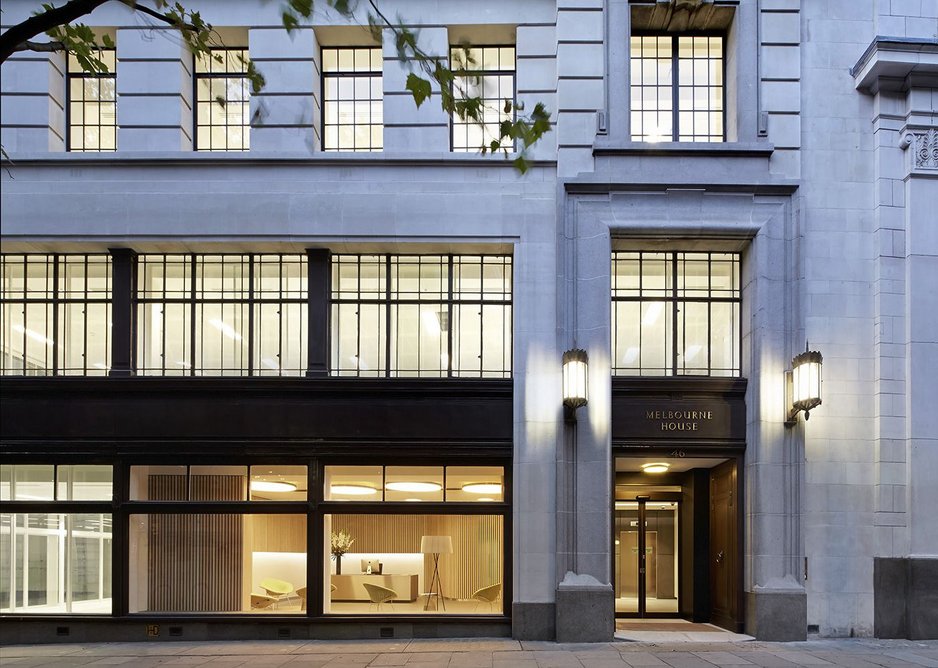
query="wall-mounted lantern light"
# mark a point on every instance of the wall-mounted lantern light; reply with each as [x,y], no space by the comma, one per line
[575,380]
[803,385]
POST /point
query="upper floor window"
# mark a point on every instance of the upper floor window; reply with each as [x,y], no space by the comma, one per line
[223,100]
[92,104]
[486,72]
[675,313]
[353,103]
[240,315]
[56,315]
[677,88]
[421,315]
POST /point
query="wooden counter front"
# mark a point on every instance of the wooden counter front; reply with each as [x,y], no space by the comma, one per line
[351,587]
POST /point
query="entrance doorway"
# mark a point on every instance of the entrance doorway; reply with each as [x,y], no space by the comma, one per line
[676,537]
[646,542]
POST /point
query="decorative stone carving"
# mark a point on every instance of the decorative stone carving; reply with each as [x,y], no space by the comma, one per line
[924,144]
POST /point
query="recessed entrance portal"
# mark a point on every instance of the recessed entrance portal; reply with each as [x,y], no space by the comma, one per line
[675,537]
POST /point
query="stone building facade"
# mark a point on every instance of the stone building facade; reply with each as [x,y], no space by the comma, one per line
[810,189]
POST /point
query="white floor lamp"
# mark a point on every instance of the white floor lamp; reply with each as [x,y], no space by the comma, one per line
[436,545]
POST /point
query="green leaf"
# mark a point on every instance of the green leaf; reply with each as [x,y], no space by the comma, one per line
[419,87]
[520,164]
[289,22]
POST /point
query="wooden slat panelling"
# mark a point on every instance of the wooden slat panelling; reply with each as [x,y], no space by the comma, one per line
[195,561]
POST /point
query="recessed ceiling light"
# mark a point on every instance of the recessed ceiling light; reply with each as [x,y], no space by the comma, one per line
[413,486]
[353,490]
[412,499]
[272,486]
[482,488]
[656,467]
[486,498]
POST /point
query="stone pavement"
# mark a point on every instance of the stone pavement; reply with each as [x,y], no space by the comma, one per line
[472,653]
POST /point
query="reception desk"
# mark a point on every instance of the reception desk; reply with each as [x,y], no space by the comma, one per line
[351,587]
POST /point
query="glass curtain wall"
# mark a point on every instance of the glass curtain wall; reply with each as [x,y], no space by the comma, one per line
[55,562]
[55,315]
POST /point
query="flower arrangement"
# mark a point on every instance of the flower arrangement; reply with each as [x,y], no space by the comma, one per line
[341,543]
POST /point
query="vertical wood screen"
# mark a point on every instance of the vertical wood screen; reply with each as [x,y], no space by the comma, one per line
[195,561]
[478,555]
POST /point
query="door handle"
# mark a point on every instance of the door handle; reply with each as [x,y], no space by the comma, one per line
[720,557]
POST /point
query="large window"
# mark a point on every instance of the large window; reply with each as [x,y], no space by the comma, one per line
[486,72]
[432,560]
[353,103]
[675,313]
[223,100]
[52,561]
[421,315]
[92,104]
[222,315]
[677,88]
[55,314]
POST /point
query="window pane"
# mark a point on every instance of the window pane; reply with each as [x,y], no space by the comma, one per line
[158,483]
[706,290]
[489,74]
[403,553]
[59,563]
[352,93]
[83,482]
[475,483]
[354,483]
[222,101]
[92,117]
[278,483]
[413,483]
[218,563]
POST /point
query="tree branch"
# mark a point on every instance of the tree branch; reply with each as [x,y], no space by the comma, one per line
[48,47]
[38,24]
[136,6]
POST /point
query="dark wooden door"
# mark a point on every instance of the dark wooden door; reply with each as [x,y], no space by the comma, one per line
[724,530]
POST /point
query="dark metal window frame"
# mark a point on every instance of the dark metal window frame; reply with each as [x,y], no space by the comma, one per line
[673,300]
[200,76]
[387,300]
[314,508]
[82,74]
[343,75]
[513,73]
[675,79]
[253,299]
[57,300]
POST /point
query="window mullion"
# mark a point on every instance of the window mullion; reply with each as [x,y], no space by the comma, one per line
[675,96]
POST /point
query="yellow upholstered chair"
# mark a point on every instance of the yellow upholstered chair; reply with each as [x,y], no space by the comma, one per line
[276,589]
[378,594]
[301,592]
[488,595]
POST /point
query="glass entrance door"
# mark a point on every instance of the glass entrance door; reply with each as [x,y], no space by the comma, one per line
[646,563]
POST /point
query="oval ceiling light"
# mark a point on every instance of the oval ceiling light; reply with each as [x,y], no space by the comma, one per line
[486,498]
[413,486]
[482,488]
[655,467]
[418,500]
[272,486]
[353,490]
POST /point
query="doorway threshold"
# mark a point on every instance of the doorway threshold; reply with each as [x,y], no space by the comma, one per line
[661,631]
